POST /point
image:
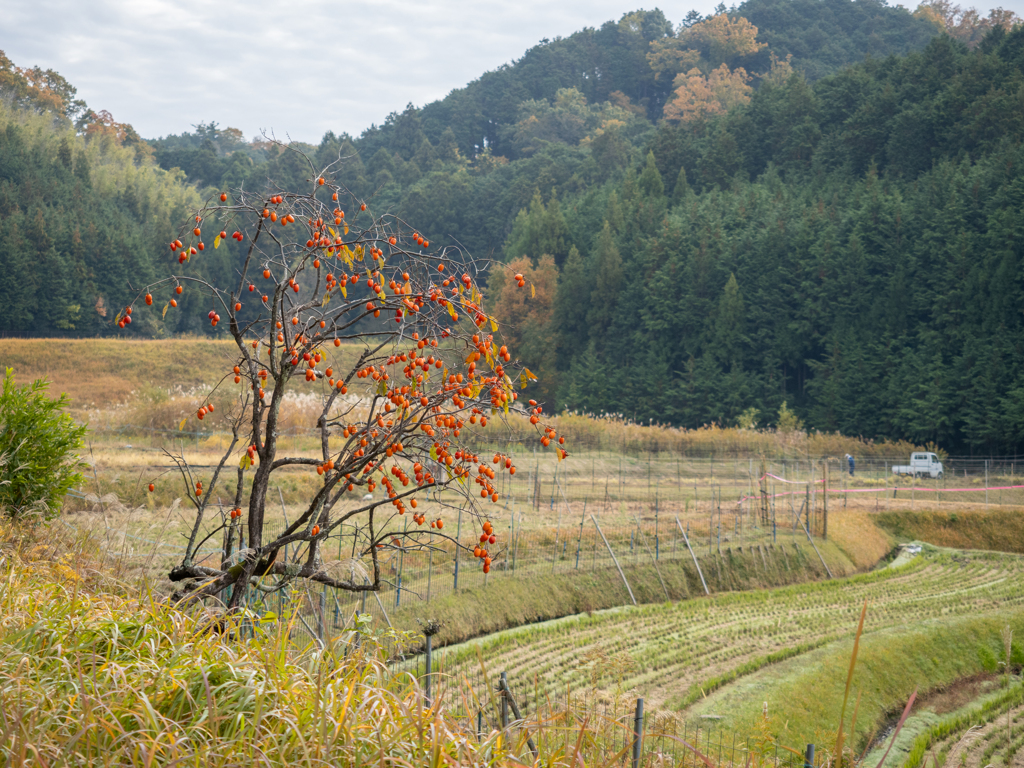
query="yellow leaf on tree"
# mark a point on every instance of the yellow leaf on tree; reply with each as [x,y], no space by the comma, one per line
[529,374]
[533,291]
[494,325]
[168,304]
[182,425]
[333,234]
[216,242]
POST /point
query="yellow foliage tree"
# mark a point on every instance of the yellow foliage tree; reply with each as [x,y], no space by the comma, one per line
[968,26]
[696,96]
[38,90]
[712,43]
[720,38]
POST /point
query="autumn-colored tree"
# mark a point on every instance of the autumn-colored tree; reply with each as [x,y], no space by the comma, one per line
[721,39]
[966,25]
[527,318]
[697,97]
[706,44]
[102,123]
[399,416]
[40,90]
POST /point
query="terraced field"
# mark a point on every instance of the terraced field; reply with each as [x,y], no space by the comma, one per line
[673,654]
[987,733]
[997,742]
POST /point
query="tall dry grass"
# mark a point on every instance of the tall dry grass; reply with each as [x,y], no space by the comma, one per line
[124,385]
[95,671]
[611,433]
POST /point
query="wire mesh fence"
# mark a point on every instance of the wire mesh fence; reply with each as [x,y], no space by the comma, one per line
[594,511]
[617,722]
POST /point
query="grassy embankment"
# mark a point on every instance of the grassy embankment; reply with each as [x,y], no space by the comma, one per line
[858,541]
[997,529]
[509,603]
[806,693]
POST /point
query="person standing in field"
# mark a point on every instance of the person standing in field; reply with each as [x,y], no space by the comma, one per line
[849,460]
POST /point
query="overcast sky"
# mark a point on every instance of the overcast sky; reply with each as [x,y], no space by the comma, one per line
[299,67]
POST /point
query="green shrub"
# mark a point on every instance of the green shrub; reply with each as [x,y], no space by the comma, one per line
[988,659]
[38,444]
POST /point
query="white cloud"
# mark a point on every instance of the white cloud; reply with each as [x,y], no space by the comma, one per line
[300,68]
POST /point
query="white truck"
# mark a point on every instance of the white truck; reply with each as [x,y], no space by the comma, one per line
[921,464]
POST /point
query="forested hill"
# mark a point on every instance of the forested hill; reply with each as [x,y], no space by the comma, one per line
[568,114]
[854,247]
[810,202]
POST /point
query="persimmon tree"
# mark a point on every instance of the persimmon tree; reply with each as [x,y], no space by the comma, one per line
[318,276]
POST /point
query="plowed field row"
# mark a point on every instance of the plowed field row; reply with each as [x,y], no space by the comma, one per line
[663,652]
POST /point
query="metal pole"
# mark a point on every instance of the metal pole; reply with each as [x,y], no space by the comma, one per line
[579,539]
[657,548]
[401,563]
[504,701]
[320,615]
[819,553]
[614,560]
[430,571]
[699,573]
[657,570]
[824,501]
[638,732]
[809,756]
[458,538]
[285,513]
[428,670]
[515,540]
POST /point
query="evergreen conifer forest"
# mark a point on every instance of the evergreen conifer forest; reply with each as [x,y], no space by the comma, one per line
[795,206]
